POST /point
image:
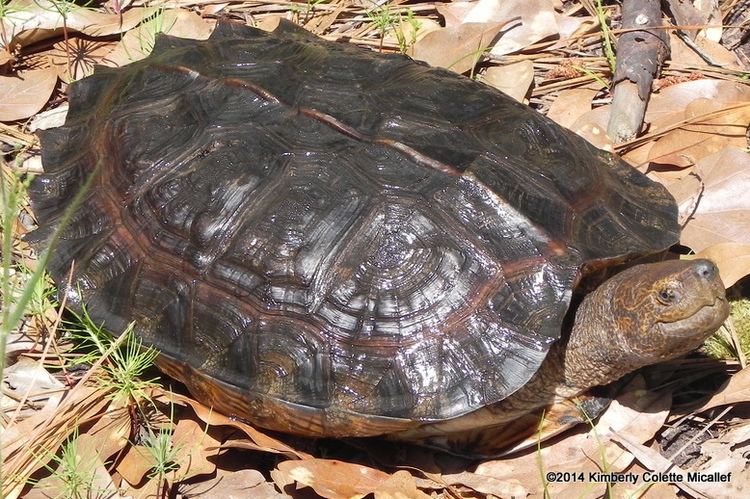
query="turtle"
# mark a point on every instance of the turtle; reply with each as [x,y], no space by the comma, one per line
[327,241]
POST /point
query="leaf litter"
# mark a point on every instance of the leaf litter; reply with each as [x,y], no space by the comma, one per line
[694,142]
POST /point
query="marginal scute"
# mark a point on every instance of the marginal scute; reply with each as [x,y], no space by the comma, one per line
[326,240]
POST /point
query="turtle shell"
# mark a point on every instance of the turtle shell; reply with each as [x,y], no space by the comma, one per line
[325,240]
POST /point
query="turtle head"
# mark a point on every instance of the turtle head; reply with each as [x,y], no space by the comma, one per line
[663,310]
[643,315]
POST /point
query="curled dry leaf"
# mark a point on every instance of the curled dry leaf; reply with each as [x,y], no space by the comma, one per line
[35,20]
[337,479]
[715,199]
[25,93]
[261,441]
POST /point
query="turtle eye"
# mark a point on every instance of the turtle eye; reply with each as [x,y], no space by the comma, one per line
[666,296]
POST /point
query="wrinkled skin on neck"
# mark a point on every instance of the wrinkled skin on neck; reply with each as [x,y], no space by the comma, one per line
[643,315]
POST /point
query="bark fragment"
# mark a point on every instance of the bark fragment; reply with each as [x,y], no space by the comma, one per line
[640,54]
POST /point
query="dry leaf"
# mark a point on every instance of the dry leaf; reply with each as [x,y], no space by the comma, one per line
[686,56]
[657,490]
[727,454]
[592,126]
[150,489]
[674,99]
[636,412]
[455,13]
[570,105]
[28,379]
[35,20]
[666,108]
[735,391]
[51,118]
[5,56]
[715,199]
[43,433]
[538,22]
[110,433]
[732,259]
[138,43]
[596,135]
[485,484]
[90,467]
[654,461]
[134,464]
[26,93]
[713,16]
[337,479]
[263,442]
[403,33]
[572,27]
[213,9]
[458,48]
[20,341]
[239,484]
[400,485]
[75,58]
[117,5]
[687,145]
[195,446]
[514,79]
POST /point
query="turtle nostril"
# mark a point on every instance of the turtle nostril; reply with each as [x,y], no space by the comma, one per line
[706,269]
